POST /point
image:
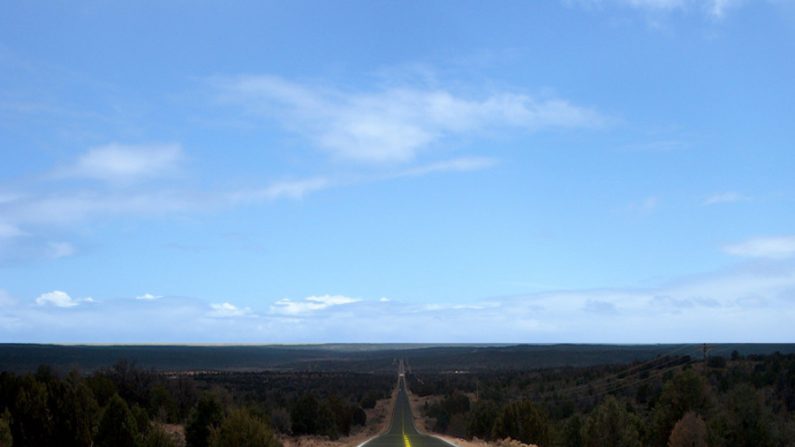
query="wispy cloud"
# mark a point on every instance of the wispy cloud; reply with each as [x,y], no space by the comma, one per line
[77,205]
[123,163]
[724,197]
[147,297]
[6,299]
[777,247]
[310,304]
[9,231]
[288,189]
[462,164]
[229,310]
[646,205]
[61,250]
[713,8]
[394,125]
[746,303]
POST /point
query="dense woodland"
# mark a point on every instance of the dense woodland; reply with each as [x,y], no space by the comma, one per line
[670,401]
[375,358]
[128,406]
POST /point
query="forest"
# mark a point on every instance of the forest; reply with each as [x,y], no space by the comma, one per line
[670,400]
[129,406]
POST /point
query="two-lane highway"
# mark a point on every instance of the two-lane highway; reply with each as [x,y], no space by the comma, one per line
[402,432]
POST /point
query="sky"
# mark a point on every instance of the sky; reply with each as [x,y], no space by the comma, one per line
[588,171]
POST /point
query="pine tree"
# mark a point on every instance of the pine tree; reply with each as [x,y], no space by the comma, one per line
[117,428]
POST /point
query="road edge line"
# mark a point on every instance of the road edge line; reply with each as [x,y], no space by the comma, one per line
[443,440]
[365,442]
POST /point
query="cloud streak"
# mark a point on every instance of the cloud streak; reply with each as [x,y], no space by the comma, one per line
[724,198]
[124,164]
[716,9]
[751,303]
[394,125]
[777,247]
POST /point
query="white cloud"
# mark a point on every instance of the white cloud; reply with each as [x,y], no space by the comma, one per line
[714,8]
[147,297]
[724,197]
[646,205]
[463,164]
[294,189]
[76,207]
[229,310]
[9,231]
[79,206]
[718,8]
[750,303]
[56,298]
[649,204]
[61,250]
[120,163]
[310,304]
[6,197]
[394,125]
[764,247]
[6,299]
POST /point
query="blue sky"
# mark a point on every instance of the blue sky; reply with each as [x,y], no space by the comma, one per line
[574,171]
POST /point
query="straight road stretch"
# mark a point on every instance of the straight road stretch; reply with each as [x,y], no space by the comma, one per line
[402,432]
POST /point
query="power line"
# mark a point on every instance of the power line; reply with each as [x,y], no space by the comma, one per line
[633,369]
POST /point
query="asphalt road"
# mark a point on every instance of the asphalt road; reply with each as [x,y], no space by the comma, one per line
[402,432]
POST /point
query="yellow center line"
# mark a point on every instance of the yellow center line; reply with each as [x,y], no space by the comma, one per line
[406,441]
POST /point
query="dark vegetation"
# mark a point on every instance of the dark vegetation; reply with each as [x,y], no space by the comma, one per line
[360,358]
[732,401]
[563,395]
[128,406]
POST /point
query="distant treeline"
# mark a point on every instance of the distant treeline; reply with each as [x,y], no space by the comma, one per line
[670,401]
[128,406]
[362,358]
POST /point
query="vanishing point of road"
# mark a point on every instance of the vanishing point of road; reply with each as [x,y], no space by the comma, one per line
[402,432]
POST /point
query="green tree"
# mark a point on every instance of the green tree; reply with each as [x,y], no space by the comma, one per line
[343,415]
[359,417]
[159,437]
[748,420]
[481,420]
[74,411]
[572,432]
[522,421]
[162,405]
[690,431]
[610,424]
[311,417]
[369,400]
[687,391]
[207,414]
[102,388]
[117,428]
[6,440]
[31,424]
[141,420]
[280,420]
[241,429]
